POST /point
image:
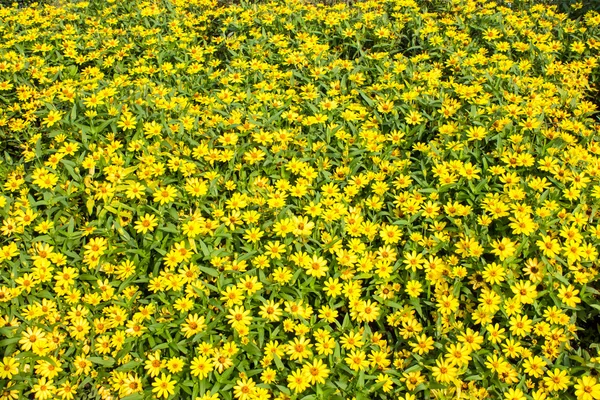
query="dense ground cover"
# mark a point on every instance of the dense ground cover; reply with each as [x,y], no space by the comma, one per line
[384,200]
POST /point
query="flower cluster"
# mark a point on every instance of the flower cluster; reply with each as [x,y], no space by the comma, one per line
[391,199]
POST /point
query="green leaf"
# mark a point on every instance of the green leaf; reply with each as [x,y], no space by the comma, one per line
[129,366]
[135,396]
[99,360]
[210,271]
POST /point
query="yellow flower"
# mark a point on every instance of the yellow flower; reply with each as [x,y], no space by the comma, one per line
[152,129]
[165,195]
[413,260]
[32,337]
[514,394]
[534,366]
[476,133]
[556,380]
[587,388]
[270,311]
[52,118]
[244,389]
[201,366]
[444,371]
[135,191]
[275,249]
[163,386]
[390,234]
[43,389]
[414,118]
[253,235]
[299,348]
[317,371]
[44,179]
[154,364]
[175,365]
[550,247]
[8,368]
[268,375]
[447,304]
[298,380]
[193,325]
[357,360]
[520,325]
[146,224]
[368,311]
[503,248]
[423,344]
[525,292]
[67,391]
[239,317]
[568,295]
[316,267]
[127,122]
[458,354]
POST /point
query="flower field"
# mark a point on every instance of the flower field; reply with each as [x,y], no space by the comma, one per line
[391,199]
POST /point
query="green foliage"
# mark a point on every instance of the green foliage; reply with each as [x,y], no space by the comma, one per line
[299,200]
[23,3]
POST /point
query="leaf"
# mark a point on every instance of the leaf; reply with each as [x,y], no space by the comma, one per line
[74,112]
[417,305]
[252,349]
[102,361]
[278,362]
[6,342]
[129,366]
[393,304]
[204,249]
[170,228]
[89,204]
[135,396]
[210,271]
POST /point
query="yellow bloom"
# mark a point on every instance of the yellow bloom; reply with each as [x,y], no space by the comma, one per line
[163,386]
[193,325]
[316,267]
[503,248]
[244,389]
[299,348]
[298,380]
[414,118]
[8,368]
[390,234]
[146,224]
[317,371]
[270,311]
[43,389]
[458,354]
[556,380]
[423,344]
[357,360]
[447,304]
[550,247]
[52,118]
[154,364]
[587,388]
[525,292]
[444,371]
[165,195]
[514,394]
[127,122]
[239,317]
[201,366]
